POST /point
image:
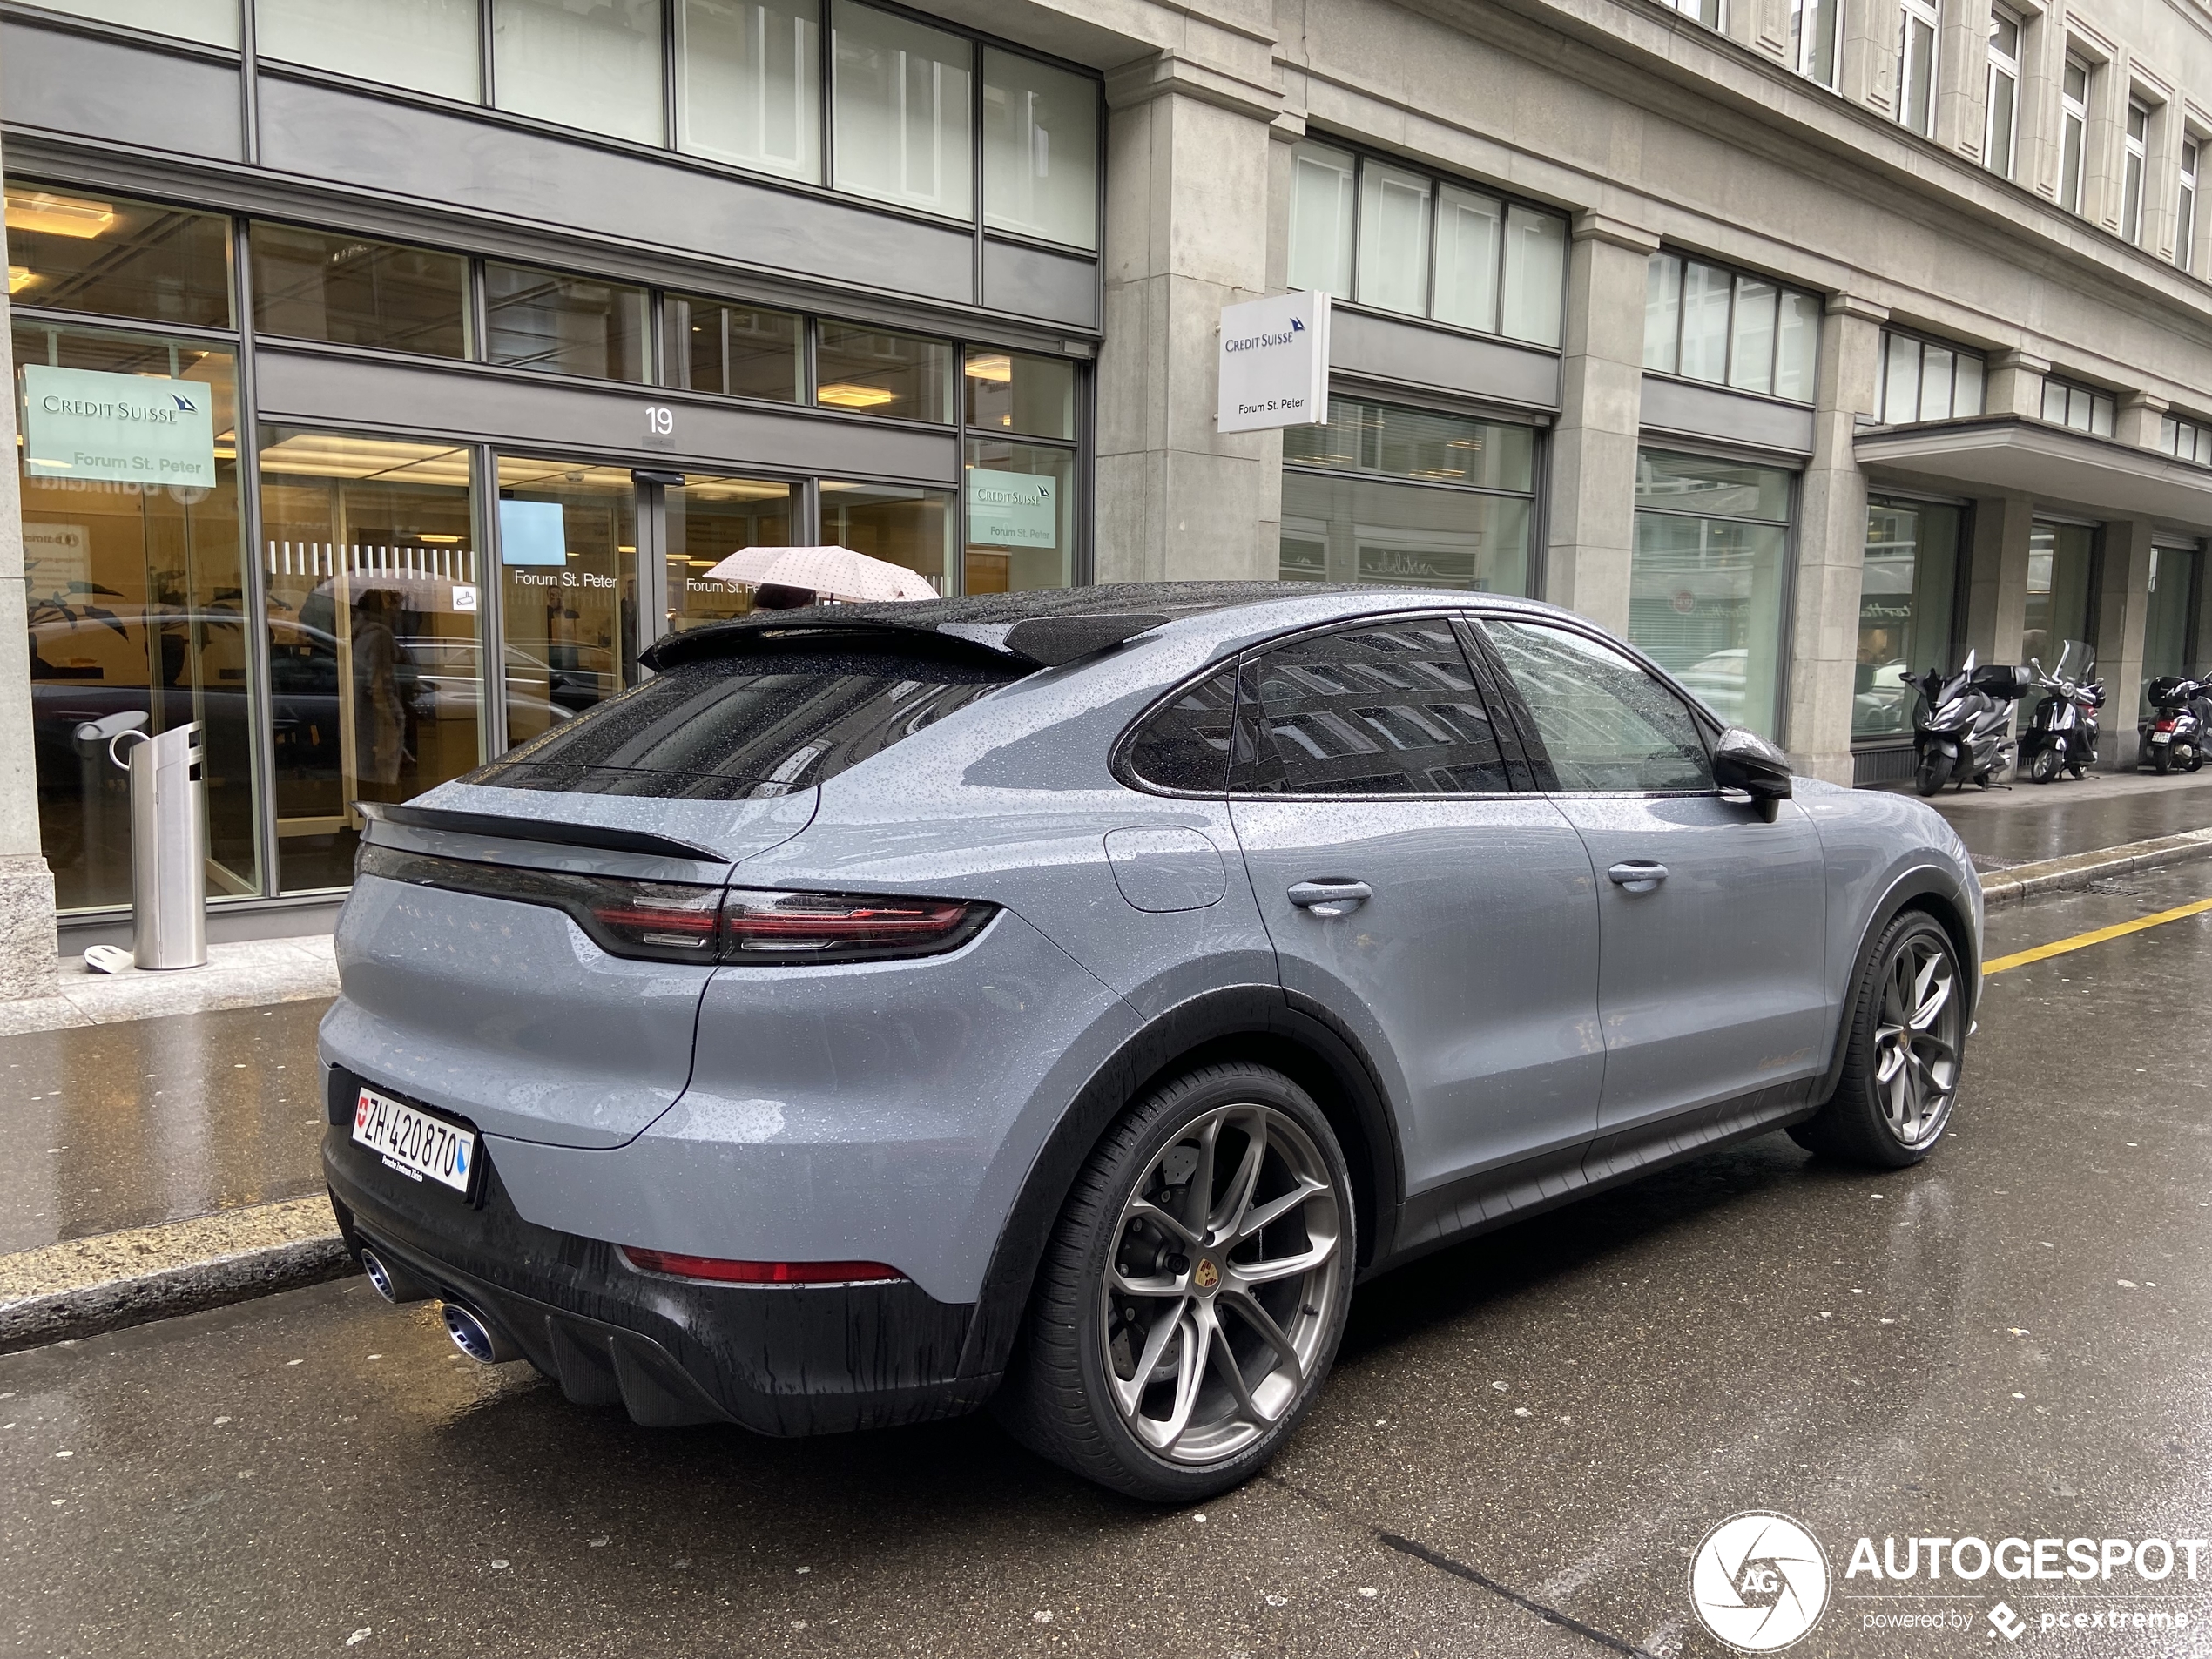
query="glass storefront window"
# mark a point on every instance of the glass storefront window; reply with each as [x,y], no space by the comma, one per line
[1446,501]
[1039,149]
[1021,517]
[707,518]
[1907,594]
[318,284]
[211,22]
[137,604]
[2061,581]
[568,582]
[2174,618]
[69,250]
[880,373]
[899,523]
[1708,578]
[738,351]
[564,325]
[376,661]
[425,45]
[596,66]
[1321,215]
[748,85]
[903,118]
[1012,391]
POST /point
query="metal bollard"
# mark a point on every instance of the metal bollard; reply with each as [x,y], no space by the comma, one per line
[168,846]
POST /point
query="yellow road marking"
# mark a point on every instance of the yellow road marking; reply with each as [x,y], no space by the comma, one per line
[2082,941]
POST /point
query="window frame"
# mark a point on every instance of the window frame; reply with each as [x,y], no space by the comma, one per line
[1736,277]
[2171,429]
[1958,352]
[1928,15]
[1808,45]
[2073,131]
[2006,66]
[2100,401]
[2135,166]
[2188,163]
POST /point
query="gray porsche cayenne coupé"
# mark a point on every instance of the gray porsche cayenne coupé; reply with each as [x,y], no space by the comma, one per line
[1063,1000]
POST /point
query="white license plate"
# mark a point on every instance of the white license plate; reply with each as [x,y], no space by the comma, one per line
[413,1142]
[2161,737]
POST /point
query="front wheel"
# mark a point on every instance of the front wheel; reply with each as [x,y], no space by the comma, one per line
[2045,767]
[1191,1301]
[1934,770]
[1901,1069]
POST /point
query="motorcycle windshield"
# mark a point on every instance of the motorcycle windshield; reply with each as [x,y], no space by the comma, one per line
[2075,661]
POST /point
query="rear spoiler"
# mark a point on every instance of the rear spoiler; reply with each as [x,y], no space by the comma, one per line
[1034,642]
[605,839]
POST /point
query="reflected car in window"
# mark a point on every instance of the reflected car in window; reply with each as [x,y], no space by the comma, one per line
[1062,1001]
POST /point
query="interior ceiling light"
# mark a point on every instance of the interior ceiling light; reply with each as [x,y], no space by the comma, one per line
[39,210]
[847,395]
[441,540]
[999,368]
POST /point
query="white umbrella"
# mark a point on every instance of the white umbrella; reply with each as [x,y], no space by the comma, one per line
[831,572]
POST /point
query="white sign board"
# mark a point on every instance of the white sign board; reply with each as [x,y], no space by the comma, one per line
[1274,363]
[55,557]
[124,429]
[1012,508]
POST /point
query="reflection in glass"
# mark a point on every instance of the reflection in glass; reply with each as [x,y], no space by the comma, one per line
[426,45]
[2061,579]
[136,599]
[1365,436]
[1321,198]
[880,373]
[739,351]
[69,251]
[212,22]
[2171,619]
[1704,322]
[369,551]
[1039,149]
[1353,530]
[596,66]
[902,114]
[1906,592]
[748,85]
[1536,276]
[1750,361]
[899,524]
[563,324]
[708,518]
[1021,517]
[316,284]
[1012,391]
[568,572]
[1393,239]
[1708,577]
[1469,245]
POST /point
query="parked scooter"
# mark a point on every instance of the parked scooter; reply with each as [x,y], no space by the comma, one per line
[1962,722]
[2061,735]
[2173,739]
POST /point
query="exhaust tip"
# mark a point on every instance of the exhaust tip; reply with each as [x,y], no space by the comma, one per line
[473,1337]
[380,1277]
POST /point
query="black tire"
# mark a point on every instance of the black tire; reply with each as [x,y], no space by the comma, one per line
[2162,761]
[2196,759]
[1934,771]
[1861,1122]
[2045,767]
[1060,1397]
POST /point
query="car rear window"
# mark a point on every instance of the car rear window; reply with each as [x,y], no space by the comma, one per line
[763,722]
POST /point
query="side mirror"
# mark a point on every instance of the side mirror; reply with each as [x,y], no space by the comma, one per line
[1747,761]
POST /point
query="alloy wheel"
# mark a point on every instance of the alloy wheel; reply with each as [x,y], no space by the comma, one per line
[1220,1287]
[1917,1040]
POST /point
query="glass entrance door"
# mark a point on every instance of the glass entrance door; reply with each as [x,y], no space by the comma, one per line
[705,519]
[568,580]
[2171,619]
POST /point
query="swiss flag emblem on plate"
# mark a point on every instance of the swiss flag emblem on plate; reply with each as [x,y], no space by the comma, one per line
[360,1111]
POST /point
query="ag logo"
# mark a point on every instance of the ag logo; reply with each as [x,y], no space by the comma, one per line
[1759,1581]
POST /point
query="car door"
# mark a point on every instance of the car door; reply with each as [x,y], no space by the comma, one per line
[1448,921]
[1711,982]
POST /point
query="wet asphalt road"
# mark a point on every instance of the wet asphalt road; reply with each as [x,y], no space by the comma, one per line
[2011,1340]
[2026,821]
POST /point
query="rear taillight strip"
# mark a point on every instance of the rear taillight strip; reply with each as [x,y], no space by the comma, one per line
[683,921]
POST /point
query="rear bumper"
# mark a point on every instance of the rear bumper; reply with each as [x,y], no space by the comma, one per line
[778,1359]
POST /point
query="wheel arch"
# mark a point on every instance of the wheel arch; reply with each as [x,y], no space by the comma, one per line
[1259,1023]
[1933,892]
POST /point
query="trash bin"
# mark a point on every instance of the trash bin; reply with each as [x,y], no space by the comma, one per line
[168,845]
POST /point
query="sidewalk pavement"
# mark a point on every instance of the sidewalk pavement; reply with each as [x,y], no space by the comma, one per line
[2029,823]
[167,1128]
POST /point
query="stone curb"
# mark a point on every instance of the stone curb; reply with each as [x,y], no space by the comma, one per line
[84,1286]
[2079,870]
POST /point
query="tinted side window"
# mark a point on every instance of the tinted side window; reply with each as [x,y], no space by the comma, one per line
[1606,725]
[1185,745]
[1389,709]
[760,723]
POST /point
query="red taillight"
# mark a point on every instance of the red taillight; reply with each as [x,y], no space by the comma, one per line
[721,1272]
[765,927]
[666,919]
[2165,725]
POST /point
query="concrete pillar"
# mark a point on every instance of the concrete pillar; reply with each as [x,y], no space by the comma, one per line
[1962,84]
[1186,234]
[2123,604]
[1592,535]
[2141,420]
[1831,544]
[28,954]
[2016,385]
[1997,578]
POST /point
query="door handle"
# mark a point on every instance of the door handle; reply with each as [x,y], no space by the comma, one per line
[1330,897]
[1637,875]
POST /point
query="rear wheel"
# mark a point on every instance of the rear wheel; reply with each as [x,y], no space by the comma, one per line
[2161,758]
[1190,1303]
[1907,1038]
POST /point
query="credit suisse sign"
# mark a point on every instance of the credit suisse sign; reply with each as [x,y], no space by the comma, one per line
[1274,363]
[123,428]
